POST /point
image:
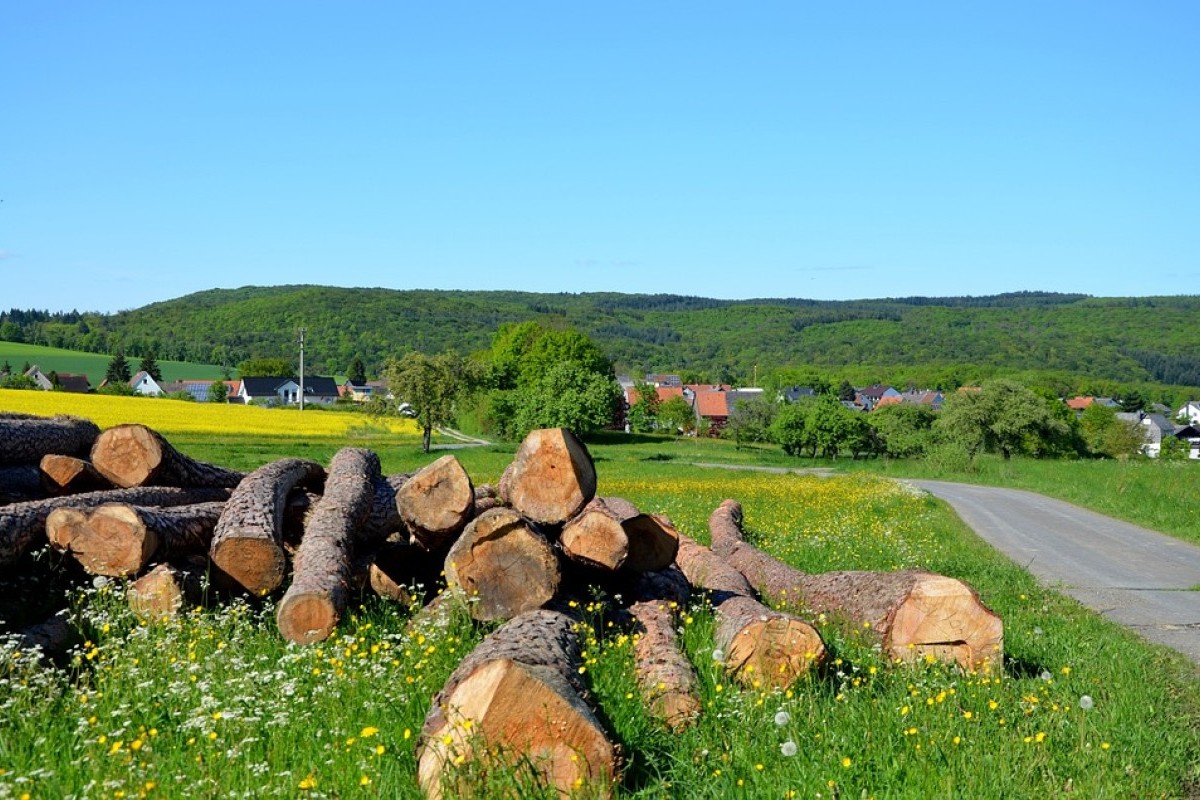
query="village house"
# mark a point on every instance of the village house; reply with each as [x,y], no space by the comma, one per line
[67,382]
[286,391]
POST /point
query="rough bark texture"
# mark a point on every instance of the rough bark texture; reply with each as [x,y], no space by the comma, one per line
[758,645]
[518,697]
[53,638]
[551,478]
[247,545]
[384,519]
[502,566]
[70,475]
[26,440]
[134,455]
[911,613]
[22,525]
[120,540]
[323,567]
[436,502]
[20,484]
[665,676]
[167,590]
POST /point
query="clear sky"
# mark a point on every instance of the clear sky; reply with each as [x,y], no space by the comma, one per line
[761,149]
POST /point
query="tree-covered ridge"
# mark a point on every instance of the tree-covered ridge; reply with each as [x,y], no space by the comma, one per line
[925,341]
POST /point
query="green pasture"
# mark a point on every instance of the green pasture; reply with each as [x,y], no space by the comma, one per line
[215,704]
[94,365]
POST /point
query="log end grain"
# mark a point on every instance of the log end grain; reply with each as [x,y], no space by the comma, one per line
[653,543]
[308,617]
[117,543]
[524,717]
[502,566]
[128,455]
[773,650]
[552,477]
[943,617]
[257,566]
[437,501]
[164,592]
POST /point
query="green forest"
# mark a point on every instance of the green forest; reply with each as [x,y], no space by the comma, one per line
[1066,342]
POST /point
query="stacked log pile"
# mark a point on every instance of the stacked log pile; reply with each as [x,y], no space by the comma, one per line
[522,554]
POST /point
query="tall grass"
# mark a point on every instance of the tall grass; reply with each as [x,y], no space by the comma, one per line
[215,704]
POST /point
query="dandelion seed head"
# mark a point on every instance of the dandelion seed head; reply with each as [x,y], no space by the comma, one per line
[782,718]
[788,748]
[1086,702]
[718,655]
[1046,675]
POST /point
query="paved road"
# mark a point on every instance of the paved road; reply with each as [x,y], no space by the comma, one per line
[1134,576]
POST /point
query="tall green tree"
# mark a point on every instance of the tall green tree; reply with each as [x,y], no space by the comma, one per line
[1002,417]
[643,414]
[676,415]
[566,395]
[432,385]
[266,368]
[357,372]
[118,370]
[149,365]
[218,392]
[750,420]
[904,430]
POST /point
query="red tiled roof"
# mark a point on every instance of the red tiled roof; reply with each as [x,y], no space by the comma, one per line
[1080,403]
[711,404]
[664,393]
[889,401]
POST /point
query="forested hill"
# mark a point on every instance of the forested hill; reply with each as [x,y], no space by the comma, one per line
[1117,339]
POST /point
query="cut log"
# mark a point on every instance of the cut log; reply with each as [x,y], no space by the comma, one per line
[502,566]
[665,676]
[911,613]
[436,502]
[53,638]
[167,591]
[324,564]
[70,475]
[756,644]
[384,519]
[22,525]
[119,540]
[134,455]
[404,572]
[247,545]
[610,534]
[20,484]
[551,478]
[25,441]
[517,700]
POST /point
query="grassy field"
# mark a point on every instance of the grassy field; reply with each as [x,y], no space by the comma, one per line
[215,704]
[94,365]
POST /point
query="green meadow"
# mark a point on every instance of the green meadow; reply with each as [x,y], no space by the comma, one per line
[216,704]
[95,365]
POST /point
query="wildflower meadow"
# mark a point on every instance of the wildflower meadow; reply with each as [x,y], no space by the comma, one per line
[216,704]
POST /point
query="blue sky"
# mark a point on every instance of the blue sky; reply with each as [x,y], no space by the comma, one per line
[830,151]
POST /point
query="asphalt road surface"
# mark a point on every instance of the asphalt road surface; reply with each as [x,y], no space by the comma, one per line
[1140,578]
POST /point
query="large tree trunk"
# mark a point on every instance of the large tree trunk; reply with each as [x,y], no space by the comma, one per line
[70,475]
[436,502]
[551,478]
[120,540]
[134,455]
[610,534]
[755,643]
[324,564]
[665,676]
[502,566]
[26,440]
[247,545]
[20,484]
[167,590]
[22,525]
[911,613]
[384,519]
[518,698]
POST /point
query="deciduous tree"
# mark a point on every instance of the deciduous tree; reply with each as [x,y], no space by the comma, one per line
[432,385]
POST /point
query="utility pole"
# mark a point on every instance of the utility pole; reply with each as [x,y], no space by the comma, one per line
[302,369]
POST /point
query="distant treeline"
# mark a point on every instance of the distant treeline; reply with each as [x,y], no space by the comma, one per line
[1082,341]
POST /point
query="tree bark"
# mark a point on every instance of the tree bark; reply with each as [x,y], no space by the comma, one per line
[551,478]
[665,676]
[167,590]
[384,519]
[436,502]
[756,644]
[502,566]
[23,524]
[611,534]
[20,484]
[247,545]
[53,638]
[120,540]
[911,613]
[26,440]
[70,475]
[323,568]
[134,455]
[518,698]
[403,572]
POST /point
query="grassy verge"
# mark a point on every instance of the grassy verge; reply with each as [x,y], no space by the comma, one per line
[217,705]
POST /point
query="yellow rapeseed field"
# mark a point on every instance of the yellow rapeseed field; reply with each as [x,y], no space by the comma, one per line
[179,416]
